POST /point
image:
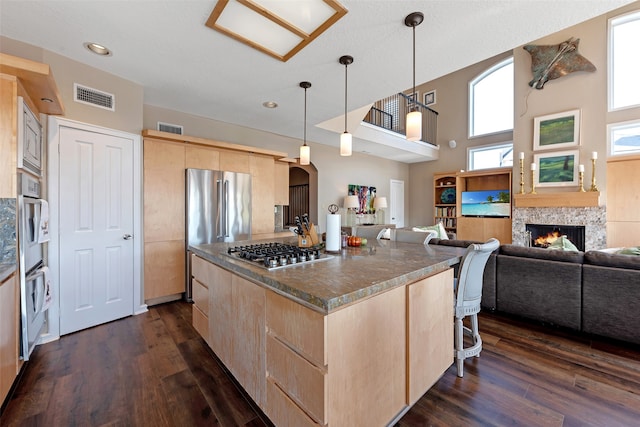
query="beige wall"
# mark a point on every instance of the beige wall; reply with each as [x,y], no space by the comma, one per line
[128,95]
[335,173]
[579,90]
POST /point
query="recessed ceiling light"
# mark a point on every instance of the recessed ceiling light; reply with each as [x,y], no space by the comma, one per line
[98,49]
[270,104]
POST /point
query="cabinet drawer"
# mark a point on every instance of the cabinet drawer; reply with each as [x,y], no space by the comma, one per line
[303,382]
[282,411]
[200,294]
[298,326]
[200,323]
[199,268]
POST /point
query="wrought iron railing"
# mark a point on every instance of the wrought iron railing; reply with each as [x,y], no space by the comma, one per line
[389,113]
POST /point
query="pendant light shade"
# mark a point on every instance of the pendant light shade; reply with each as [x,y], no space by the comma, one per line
[305,150]
[345,144]
[346,138]
[414,117]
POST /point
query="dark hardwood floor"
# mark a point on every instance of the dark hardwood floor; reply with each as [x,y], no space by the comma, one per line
[154,370]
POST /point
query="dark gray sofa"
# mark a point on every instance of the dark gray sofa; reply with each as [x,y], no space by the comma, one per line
[611,295]
[593,292]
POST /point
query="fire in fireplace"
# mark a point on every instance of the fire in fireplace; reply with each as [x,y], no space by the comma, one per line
[543,235]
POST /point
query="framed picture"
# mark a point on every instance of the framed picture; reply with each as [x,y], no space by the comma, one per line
[555,131]
[430,98]
[557,169]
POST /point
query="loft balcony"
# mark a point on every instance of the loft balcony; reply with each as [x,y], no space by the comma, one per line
[380,130]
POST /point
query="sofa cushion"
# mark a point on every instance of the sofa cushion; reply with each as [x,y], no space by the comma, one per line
[563,244]
[456,243]
[612,260]
[610,301]
[542,254]
[540,289]
[634,250]
[438,228]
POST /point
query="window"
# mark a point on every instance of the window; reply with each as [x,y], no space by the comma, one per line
[624,137]
[491,100]
[490,156]
[624,67]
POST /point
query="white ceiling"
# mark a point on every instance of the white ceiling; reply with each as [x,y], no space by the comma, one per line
[183,65]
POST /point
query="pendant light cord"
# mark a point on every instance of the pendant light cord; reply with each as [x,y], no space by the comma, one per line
[305,116]
[345,97]
[413,95]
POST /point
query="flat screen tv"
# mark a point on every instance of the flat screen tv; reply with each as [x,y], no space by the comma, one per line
[486,203]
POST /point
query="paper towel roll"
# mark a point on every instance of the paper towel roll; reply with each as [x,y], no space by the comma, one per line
[333,242]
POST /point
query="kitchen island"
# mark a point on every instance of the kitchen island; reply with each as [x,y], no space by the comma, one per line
[354,339]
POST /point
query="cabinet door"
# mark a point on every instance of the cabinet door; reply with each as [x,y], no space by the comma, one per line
[8,334]
[262,194]
[220,312]
[8,123]
[202,158]
[163,191]
[430,322]
[281,195]
[164,269]
[249,349]
[234,161]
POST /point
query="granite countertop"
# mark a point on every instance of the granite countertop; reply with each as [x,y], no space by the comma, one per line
[351,275]
[6,270]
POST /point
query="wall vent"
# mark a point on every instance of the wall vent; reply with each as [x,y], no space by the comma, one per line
[95,97]
[168,127]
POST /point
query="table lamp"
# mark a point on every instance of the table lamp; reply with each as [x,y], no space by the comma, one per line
[351,204]
[379,203]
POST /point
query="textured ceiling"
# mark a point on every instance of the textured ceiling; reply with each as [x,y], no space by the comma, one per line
[183,65]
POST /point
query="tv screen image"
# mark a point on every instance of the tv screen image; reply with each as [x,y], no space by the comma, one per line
[491,203]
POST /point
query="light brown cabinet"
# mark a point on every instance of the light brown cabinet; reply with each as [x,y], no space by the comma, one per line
[306,368]
[482,229]
[9,334]
[623,201]
[166,156]
[281,195]
[235,330]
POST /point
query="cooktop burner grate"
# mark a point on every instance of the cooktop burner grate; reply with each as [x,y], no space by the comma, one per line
[274,255]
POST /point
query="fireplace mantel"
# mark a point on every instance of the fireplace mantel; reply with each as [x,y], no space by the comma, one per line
[573,199]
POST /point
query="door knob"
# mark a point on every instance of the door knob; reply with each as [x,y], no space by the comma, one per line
[127,237]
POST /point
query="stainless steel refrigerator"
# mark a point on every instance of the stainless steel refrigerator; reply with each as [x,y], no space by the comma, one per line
[218,209]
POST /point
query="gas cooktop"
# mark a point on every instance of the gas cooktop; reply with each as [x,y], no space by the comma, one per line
[276,255]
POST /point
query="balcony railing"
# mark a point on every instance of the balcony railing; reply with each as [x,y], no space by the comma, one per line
[389,113]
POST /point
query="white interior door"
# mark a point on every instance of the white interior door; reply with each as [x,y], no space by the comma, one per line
[95,228]
[396,203]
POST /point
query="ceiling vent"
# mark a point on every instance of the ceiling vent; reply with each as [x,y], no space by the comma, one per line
[168,127]
[95,97]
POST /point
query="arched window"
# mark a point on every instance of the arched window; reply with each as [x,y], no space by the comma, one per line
[624,67]
[491,100]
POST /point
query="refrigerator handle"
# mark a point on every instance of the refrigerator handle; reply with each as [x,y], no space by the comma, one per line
[220,207]
[226,208]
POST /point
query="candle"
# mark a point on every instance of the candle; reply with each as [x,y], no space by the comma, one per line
[581,168]
[594,155]
[533,166]
[521,155]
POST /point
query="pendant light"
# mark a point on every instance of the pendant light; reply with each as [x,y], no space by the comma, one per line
[414,117]
[305,150]
[345,138]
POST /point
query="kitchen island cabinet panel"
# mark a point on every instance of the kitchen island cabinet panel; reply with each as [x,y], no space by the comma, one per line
[249,349]
[283,411]
[427,325]
[163,269]
[367,360]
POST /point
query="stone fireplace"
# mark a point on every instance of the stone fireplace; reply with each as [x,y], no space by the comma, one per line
[593,218]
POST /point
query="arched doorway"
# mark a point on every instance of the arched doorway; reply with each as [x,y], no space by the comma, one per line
[303,193]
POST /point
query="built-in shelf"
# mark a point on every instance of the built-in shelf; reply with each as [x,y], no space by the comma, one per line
[557,200]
